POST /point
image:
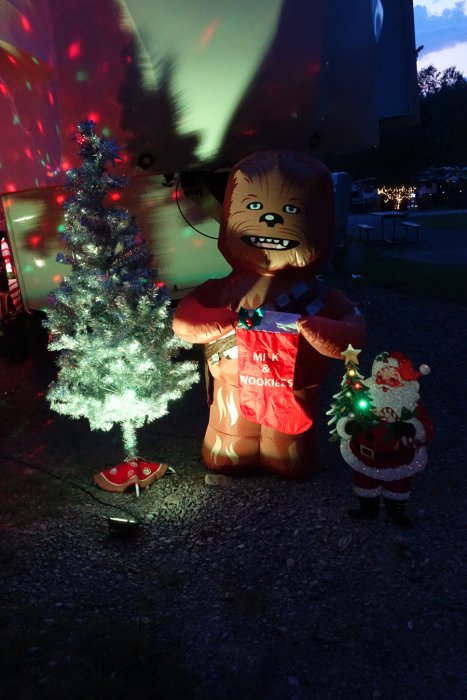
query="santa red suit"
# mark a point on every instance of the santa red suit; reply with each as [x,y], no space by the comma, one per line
[263,380]
[387,455]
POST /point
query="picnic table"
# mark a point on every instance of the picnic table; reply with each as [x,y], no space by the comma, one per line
[388,216]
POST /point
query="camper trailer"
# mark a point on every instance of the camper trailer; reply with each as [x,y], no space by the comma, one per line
[186,90]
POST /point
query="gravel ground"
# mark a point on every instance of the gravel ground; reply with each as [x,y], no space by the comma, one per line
[248,589]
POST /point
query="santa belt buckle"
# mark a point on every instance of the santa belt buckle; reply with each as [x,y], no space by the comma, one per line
[367,452]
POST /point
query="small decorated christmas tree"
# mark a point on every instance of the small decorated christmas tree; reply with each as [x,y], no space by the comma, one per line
[110,317]
[353,400]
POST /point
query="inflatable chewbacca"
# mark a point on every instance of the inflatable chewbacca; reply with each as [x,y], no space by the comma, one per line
[270,328]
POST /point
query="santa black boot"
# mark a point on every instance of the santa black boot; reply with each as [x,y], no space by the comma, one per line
[395,511]
[368,510]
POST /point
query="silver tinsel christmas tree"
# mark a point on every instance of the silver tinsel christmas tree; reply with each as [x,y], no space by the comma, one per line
[110,318]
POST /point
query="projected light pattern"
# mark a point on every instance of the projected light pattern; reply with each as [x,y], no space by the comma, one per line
[178,84]
[28,95]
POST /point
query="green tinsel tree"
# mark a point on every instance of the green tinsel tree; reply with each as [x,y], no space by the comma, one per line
[110,318]
[353,400]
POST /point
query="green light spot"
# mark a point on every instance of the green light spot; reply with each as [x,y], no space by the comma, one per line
[34,60]
[106,131]
[363,403]
[47,157]
[27,268]
[61,228]
[28,85]
[187,232]
[16,119]
[81,75]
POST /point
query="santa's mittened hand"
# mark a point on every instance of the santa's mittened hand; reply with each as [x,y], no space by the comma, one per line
[402,429]
[353,427]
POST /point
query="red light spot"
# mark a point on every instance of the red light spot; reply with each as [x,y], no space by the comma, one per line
[11,59]
[208,34]
[28,153]
[26,24]
[57,278]
[175,196]
[40,126]
[160,284]
[74,50]
[129,59]
[94,117]
[60,198]
[35,241]
[66,165]
[40,394]
[115,196]
[250,132]
[51,98]
[357,385]
[3,89]
[10,187]
[49,421]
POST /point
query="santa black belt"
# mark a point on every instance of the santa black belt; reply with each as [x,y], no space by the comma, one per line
[371,454]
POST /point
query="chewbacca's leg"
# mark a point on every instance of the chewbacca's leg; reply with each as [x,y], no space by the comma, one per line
[231,442]
[293,456]
[290,456]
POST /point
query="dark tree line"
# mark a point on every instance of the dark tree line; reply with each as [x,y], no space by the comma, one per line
[439,139]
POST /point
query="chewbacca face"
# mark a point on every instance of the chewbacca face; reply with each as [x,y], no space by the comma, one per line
[272,220]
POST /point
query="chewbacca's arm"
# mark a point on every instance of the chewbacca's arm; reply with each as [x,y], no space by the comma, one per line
[197,321]
[338,324]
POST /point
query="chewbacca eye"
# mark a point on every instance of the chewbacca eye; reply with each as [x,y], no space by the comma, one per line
[290,209]
[254,205]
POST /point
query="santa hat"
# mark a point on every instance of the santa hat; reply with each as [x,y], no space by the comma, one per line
[402,363]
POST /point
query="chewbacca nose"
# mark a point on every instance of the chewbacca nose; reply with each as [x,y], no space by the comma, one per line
[271,219]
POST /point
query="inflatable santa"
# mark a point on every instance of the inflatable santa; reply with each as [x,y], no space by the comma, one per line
[387,452]
[270,328]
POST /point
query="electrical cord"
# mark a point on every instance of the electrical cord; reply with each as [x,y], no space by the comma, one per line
[52,474]
[214,238]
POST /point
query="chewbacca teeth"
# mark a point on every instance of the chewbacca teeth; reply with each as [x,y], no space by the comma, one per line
[269,243]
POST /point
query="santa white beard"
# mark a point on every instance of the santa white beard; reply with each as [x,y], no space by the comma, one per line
[393,398]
